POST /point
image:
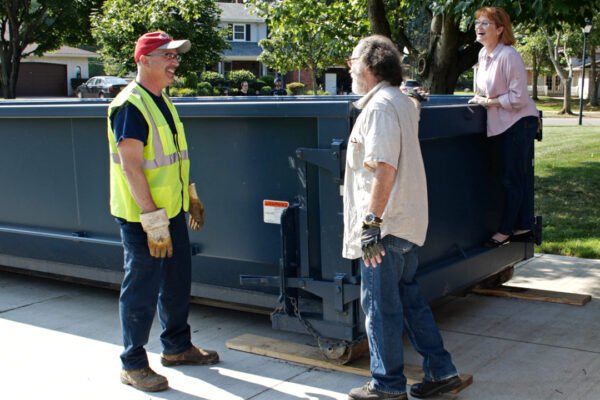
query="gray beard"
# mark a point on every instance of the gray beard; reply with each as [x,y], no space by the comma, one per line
[358,86]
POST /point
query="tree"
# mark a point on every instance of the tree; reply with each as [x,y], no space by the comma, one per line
[561,51]
[310,34]
[451,47]
[120,22]
[33,27]
[594,42]
[531,44]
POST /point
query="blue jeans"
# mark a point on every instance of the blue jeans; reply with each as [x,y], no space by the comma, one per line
[392,301]
[517,178]
[150,282]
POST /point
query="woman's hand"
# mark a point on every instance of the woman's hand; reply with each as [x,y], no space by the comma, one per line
[482,101]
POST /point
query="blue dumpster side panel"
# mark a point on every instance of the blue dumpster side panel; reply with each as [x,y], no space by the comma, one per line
[55,219]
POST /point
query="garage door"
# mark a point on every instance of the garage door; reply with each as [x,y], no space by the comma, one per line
[42,79]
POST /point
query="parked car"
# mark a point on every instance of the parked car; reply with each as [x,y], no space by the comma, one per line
[411,86]
[101,87]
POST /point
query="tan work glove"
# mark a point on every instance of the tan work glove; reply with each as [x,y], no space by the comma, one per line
[196,209]
[156,226]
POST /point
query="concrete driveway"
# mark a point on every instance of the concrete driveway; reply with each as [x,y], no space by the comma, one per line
[62,341]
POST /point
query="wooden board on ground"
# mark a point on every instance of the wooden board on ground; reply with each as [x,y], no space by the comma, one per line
[310,355]
[535,294]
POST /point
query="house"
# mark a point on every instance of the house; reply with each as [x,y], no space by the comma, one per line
[552,85]
[578,74]
[244,31]
[51,73]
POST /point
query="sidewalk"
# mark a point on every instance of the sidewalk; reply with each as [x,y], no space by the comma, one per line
[62,341]
[589,118]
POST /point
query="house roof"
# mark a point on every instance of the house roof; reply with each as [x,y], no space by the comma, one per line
[237,12]
[64,51]
[243,49]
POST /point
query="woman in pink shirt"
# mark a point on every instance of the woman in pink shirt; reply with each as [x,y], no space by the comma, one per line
[511,113]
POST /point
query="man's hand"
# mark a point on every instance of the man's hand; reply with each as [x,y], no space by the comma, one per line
[483,101]
[196,209]
[370,241]
[156,226]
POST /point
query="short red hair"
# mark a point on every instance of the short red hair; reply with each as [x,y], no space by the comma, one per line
[500,18]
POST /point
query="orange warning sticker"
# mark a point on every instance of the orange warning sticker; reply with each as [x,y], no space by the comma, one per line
[272,210]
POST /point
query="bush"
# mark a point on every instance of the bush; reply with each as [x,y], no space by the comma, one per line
[212,77]
[236,77]
[295,88]
[179,83]
[266,80]
[182,92]
[319,92]
[205,89]
[190,81]
[265,90]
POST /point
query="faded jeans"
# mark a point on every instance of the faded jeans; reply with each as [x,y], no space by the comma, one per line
[392,301]
[150,282]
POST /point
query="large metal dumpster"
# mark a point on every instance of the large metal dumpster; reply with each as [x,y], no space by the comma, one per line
[251,160]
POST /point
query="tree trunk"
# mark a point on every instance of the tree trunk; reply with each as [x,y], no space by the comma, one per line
[11,49]
[3,73]
[10,75]
[14,77]
[445,60]
[536,73]
[313,77]
[566,109]
[377,18]
[593,85]
[565,79]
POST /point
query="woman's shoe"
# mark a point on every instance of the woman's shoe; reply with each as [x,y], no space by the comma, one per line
[526,236]
[493,243]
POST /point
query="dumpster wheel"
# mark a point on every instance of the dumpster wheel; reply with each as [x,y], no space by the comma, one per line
[342,353]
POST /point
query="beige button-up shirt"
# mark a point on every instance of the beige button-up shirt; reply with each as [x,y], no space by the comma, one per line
[385,131]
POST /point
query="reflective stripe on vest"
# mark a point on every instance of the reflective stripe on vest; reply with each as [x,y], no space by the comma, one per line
[160,158]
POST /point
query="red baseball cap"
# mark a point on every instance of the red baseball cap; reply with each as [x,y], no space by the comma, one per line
[151,41]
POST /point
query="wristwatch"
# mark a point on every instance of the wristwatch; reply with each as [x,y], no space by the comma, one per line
[372,218]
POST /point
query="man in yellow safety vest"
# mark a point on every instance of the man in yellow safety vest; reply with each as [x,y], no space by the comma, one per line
[149,195]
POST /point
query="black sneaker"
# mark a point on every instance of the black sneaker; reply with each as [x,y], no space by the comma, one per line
[367,392]
[429,388]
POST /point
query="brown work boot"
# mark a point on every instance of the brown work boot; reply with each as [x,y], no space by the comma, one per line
[144,379]
[194,355]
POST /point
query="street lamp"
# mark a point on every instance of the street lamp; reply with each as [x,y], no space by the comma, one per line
[586,30]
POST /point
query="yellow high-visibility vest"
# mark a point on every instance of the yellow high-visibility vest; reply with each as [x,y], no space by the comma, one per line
[166,160]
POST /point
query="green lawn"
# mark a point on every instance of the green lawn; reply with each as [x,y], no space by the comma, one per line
[567,186]
[555,104]
[546,103]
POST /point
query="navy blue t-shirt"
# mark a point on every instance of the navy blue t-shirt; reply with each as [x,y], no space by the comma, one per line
[128,122]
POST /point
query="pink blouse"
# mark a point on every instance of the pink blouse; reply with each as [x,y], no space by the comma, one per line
[502,75]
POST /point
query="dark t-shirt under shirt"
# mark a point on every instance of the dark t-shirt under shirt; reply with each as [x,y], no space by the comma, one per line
[128,122]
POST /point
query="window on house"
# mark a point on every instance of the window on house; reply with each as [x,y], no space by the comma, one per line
[239,32]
